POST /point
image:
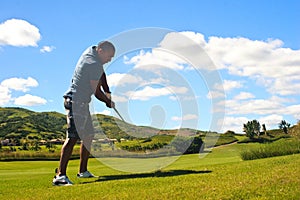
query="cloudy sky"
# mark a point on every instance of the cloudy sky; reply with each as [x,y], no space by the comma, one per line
[210,65]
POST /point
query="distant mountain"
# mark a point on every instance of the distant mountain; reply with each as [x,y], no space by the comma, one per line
[21,123]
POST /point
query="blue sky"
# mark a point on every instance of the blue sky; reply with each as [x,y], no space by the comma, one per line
[253,46]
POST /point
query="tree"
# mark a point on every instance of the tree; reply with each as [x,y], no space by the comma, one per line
[25,144]
[188,145]
[50,146]
[283,125]
[264,129]
[181,143]
[14,138]
[252,128]
[256,127]
[248,129]
[196,146]
[35,146]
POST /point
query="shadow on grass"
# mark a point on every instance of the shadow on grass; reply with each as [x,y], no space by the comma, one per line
[149,175]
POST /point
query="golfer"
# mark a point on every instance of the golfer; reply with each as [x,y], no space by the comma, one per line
[88,79]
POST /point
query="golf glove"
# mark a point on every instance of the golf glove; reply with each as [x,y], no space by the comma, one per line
[108,95]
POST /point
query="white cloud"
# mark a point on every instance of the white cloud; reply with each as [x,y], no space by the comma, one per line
[5,95]
[244,95]
[149,92]
[274,68]
[17,32]
[253,106]
[271,121]
[230,85]
[287,85]
[19,84]
[29,100]
[117,98]
[240,105]
[266,61]
[118,79]
[47,49]
[189,46]
[184,97]
[198,38]
[177,51]
[158,58]
[293,110]
[266,111]
[234,124]
[215,95]
[222,88]
[185,117]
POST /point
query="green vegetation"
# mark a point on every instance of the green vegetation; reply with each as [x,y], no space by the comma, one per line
[30,136]
[220,171]
[283,125]
[252,128]
[218,175]
[42,153]
[226,138]
[18,123]
[278,148]
[295,130]
[33,135]
[265,138]
[148,144]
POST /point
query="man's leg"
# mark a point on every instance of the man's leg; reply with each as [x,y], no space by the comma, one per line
[85,149]
[66,152]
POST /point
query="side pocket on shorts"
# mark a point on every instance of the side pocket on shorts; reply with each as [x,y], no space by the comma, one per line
[70,122]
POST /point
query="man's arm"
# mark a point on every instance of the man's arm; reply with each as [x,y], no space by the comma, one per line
[104,83]
[105,86]
[99,94]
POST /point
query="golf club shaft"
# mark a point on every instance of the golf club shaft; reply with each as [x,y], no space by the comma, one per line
[119,114]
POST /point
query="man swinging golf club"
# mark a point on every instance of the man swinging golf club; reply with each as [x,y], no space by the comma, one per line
[88,79]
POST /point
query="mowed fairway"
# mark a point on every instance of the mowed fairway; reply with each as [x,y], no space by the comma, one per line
[219,175]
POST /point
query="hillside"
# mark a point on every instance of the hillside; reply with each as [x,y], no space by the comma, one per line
[21,123]
[295,130]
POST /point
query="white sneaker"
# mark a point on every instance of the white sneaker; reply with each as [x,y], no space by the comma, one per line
[85,174]
[61,181]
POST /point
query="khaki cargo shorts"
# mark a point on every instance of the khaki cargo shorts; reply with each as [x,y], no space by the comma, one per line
[79,120]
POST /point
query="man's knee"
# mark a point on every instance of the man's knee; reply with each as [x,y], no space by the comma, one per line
[70,142]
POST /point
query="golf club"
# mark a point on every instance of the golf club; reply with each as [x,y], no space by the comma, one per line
[119,114]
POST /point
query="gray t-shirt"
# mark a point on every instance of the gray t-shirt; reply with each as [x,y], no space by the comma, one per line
[88,68]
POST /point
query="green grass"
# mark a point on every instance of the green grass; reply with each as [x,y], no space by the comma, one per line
[277,148]
[218,175]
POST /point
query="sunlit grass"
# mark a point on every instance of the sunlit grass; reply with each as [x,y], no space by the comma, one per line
[278,148]
[218,175]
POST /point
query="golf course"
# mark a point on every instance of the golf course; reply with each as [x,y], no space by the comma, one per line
[150,100]
[221,174]
[236,167]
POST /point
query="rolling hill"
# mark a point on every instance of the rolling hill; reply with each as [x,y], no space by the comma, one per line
[21,123]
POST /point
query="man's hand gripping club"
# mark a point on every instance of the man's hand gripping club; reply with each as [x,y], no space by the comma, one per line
[106,98]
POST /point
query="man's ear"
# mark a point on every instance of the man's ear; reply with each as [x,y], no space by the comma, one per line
[99,50]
